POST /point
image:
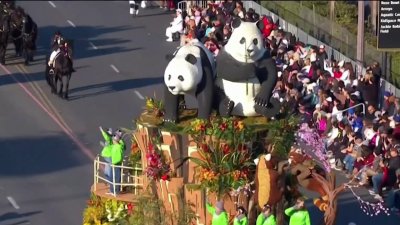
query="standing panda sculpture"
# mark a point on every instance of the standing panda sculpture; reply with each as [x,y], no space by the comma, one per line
[246,74]
[190,71]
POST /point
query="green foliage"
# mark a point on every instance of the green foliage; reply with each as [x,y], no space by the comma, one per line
[281,134]
[95,211]
[321,7]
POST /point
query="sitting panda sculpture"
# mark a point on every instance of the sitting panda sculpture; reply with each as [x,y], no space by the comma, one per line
[246,74]
[191,70]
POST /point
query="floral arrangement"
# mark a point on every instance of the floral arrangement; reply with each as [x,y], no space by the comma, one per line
[135,154]
[225,161]
[155,106]
[156,168]
[313,145]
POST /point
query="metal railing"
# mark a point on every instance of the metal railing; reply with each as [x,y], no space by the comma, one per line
[184,5]
[132,180]
[352,107]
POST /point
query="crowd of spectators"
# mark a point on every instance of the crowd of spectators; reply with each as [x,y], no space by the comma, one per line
[325,93]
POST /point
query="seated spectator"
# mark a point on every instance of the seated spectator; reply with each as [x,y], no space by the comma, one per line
[176,26]
[212,45]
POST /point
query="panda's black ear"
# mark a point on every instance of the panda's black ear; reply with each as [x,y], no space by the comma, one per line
[236,22]
[191,59]
[169,57]
[260,25]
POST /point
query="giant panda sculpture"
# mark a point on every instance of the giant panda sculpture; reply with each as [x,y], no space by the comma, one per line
[191,70]
[246,74]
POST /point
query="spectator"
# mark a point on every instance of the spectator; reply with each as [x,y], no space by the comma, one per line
[321,57]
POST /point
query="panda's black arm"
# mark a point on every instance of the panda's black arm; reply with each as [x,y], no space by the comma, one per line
[267,74]
[205,91]
[171,103]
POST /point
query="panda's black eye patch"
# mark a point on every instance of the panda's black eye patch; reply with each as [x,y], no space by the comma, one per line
[180,77]
[169,77]
[255,41]
[243,40]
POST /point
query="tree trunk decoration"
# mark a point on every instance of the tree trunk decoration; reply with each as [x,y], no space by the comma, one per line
[329,185]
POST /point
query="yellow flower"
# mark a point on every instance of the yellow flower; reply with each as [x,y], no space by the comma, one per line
[239,125]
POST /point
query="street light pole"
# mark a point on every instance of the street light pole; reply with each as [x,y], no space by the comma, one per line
[360,37]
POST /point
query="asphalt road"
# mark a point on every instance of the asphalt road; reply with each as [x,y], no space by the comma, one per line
[47,144]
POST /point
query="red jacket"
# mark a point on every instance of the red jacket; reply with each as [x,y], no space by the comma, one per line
[268,27]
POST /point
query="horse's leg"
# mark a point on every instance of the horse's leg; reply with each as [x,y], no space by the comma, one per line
[60,92]
[25,53]
[2,54]
[55,85]
[67,79]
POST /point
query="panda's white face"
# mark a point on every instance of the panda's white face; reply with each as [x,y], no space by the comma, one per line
[246,43]
[183,72]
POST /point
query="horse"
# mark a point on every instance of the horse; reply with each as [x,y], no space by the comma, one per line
[4,32]
[62,72]
[29,35]
[16,21]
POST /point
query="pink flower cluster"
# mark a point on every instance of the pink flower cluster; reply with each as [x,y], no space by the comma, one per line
[313,145]
[156,168]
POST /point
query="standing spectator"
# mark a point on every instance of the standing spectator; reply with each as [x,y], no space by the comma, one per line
[321,56]
[298,213]
[117,152]
[241,217]
[219,216]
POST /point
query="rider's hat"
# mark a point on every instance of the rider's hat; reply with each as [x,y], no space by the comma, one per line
[57,33]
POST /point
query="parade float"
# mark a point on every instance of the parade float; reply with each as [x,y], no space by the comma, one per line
[238,146]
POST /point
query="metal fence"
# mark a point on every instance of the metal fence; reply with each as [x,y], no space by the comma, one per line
[303,36]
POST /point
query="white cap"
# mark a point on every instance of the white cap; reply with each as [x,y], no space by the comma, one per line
[318,106]
[329,99]
[341,63]
[179,10]
[285,42]
[322,46]
[279,73]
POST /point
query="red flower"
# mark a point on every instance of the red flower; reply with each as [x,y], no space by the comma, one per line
[151,147]
[242,147]
[204,147]
[202,127]
[226,149]
[223,126]
[130,208]
[165,177]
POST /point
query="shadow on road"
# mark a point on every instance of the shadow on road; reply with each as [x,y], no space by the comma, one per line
[15,215]
[114,86]
[81,35]
[28,156]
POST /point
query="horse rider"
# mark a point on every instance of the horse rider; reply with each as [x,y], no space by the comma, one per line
[62,48]
[56,40]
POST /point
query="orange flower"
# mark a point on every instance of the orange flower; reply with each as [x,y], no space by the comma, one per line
[238,125]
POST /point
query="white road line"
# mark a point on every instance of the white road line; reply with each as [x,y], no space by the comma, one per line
[71,23]
[13,202]
[139,95]
[93,46]
[52,4]
[114,68]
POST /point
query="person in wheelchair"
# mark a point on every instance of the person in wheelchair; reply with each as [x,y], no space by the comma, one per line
[62,48]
